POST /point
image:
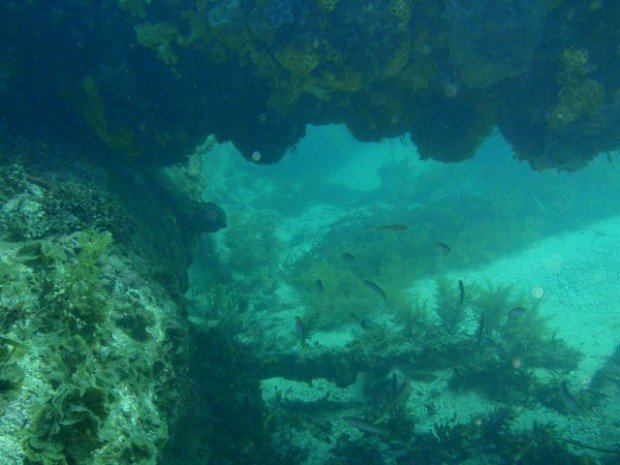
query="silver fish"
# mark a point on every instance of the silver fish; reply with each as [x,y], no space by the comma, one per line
[365,426]
[375,288]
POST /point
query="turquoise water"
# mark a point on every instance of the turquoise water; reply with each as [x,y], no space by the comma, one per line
[529,355]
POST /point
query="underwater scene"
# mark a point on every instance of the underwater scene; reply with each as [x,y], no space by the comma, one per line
[310,232]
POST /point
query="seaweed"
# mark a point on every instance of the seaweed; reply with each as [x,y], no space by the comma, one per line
[65,430]
[341,293]
[542,444]
[515,328]
[497,379]
[74,292]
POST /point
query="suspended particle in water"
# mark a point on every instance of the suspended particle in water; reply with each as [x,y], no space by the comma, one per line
[450,91]
[262,117]
[537,292]
[516,363]
[256,156]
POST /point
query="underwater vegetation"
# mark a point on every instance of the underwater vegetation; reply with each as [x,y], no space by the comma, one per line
[93,347]
[257,72]
[99,364]
[355,364]
[226,419]
[488,339]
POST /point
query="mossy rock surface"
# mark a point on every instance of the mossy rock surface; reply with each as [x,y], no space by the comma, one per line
[93,345]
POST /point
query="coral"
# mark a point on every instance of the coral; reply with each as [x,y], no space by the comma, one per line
[159,37]
[450,130]
[285,93]
[227,23]
[221,58]
[579,96]
[298,61]
[401,9]
[136,8]
[515,29]
[344,80]
[401,57]
[327,5]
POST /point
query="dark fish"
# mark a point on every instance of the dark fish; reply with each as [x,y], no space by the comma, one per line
[347,257]
[393,227]
[302,332]
[318,285]
[399,393]
[375,288]
[591,447]
[365,426]
[443,248]
[394,385]
[461,292]
[568,399]
[480,329]
[516,312]
[363,322]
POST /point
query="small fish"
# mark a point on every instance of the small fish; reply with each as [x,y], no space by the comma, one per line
[318,285]
[461,292]
[393,227]
[363,322]
[571,404]
[516,312]
[480,329]
[399,393]
[394,385]
[365,426]
[302,332]
[443,248]
[347,257]
[375,288]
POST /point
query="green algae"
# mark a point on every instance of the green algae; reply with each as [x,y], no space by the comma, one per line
[92,346]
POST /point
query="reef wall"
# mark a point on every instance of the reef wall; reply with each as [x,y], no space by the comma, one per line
[94,343]
[151,79]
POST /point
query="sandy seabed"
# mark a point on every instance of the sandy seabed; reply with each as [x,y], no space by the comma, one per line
[578,275]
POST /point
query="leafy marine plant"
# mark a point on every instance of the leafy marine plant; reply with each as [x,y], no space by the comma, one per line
[65,429]
[513,322]
[74,291]
[511,339]
[412,315]
[508,317]
[334,294]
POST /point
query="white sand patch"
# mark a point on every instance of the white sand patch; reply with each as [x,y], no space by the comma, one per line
[579,275]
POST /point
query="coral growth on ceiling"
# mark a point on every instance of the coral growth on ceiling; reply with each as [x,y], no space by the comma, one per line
[150,80]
